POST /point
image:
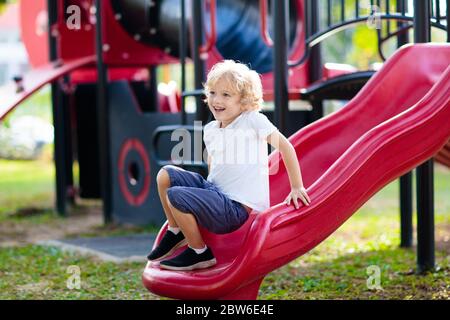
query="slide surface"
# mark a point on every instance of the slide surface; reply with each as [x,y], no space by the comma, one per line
[36,79]
[395,123]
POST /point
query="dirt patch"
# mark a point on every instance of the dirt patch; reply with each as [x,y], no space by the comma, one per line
[83,219]
[32,225]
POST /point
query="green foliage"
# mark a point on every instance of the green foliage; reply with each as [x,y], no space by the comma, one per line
[4,3]
[365,49]
[358,44]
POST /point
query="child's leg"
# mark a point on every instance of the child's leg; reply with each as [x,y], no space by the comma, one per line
[163,182]
[207,207]
[189,227]
[169,177]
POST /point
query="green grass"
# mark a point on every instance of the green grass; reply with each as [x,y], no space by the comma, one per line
[345,276]
[36,272]
[25,184]
[336,269]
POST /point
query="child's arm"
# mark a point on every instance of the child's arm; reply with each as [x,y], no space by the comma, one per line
[209,163]
[279,141]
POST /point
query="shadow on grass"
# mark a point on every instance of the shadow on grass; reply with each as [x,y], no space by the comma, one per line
[24,213]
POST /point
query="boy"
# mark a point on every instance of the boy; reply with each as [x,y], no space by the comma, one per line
[238,180]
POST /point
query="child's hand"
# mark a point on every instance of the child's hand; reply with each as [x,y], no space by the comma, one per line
[295,194]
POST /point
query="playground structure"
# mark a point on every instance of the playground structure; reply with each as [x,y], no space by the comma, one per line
[386,145]
[106,91]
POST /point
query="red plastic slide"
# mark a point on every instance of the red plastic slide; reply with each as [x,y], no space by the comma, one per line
[11,97]
[397,121]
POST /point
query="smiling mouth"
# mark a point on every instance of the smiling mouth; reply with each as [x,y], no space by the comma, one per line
[218,109]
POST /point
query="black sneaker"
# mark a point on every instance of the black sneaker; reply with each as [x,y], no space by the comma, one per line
[169,243]
[190,260]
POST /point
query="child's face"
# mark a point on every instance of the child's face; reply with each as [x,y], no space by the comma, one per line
[224,103]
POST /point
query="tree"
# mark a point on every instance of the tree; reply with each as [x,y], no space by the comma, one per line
[3,4]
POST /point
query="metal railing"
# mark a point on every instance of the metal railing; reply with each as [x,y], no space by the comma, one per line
[377,12]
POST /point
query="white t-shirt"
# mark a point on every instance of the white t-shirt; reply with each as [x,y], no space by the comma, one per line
[239,158]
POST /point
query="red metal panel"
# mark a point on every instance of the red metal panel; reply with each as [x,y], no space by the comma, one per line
[397,121]
[75,43]
[89,75]
[33,28]
[11,97]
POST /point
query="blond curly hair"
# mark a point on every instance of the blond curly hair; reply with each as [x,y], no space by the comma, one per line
[241,79]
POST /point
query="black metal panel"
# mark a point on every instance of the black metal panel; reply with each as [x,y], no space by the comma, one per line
[343,87]
[147,101]
[126,123]
[87,134]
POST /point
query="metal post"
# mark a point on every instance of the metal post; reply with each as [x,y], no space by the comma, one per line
[329,12]
[60,122]
[280,22]
[153,71]
[103,121]
[315,66]
[425,217]
[448,20]
[406,209]
[402,39]
[357,9]
[422,30]
[69,143]
[406,202]
[183,50]
[424,172]
[199,64]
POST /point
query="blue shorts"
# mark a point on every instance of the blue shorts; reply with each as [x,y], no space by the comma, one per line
[189,192]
